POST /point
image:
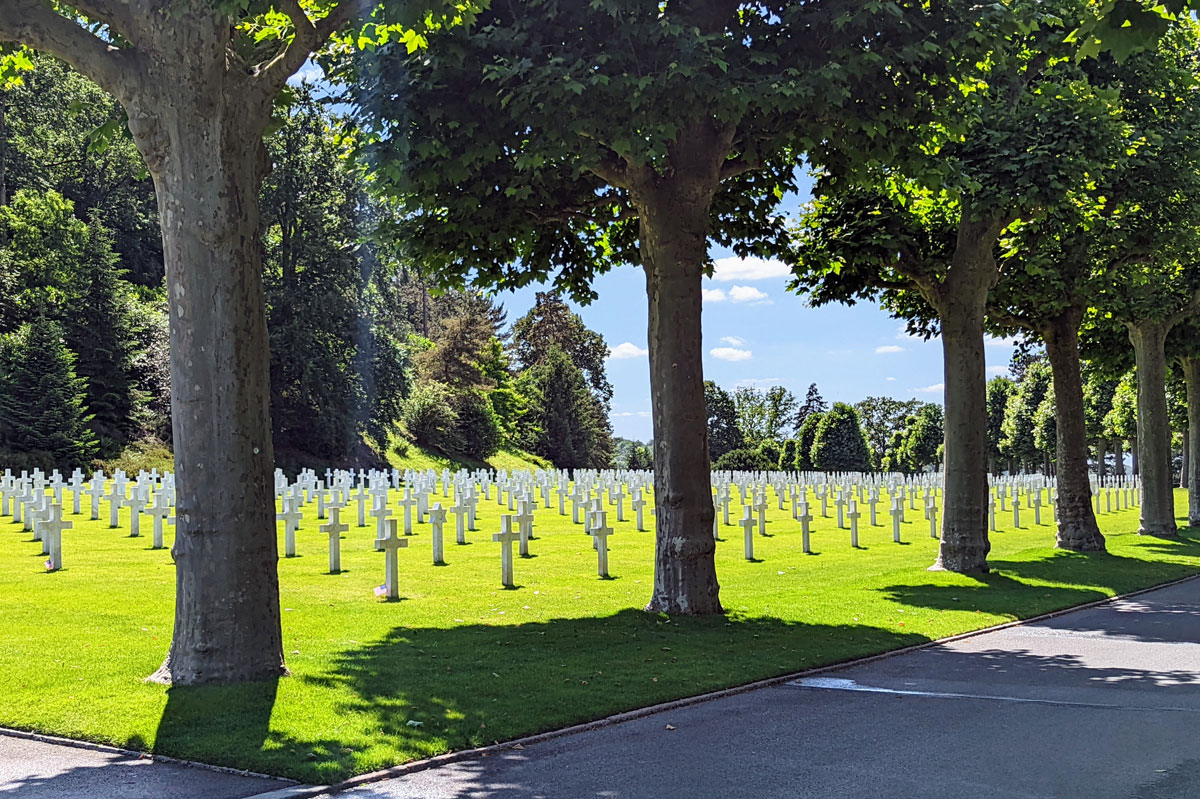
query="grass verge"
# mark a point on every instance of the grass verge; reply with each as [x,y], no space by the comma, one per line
[461,662]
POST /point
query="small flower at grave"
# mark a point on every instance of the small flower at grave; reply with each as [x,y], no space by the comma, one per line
[380,590]
[50,565]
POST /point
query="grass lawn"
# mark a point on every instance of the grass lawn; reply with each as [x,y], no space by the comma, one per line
[460,662]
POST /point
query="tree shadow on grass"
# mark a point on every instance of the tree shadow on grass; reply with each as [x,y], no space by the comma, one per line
[421,691]
[1026,588]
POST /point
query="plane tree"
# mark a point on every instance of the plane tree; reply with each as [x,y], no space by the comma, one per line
[922,235]
[558,139]
[198,81]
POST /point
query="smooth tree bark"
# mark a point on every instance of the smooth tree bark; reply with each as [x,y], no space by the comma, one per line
[1077,527]
[1119,457]
[1154,427]
[673,212]
[1191,375]
[1101,455]
[197,115]
[961,302]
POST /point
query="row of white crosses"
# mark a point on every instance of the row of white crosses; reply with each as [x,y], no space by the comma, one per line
[36,501]
[367,496]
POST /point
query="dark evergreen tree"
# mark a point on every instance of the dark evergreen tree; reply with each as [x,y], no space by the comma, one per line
[563,422]
[99,330]
[813,403]
[43,413]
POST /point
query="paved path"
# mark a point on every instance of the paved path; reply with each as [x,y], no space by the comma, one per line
[37,770]
[1094,704]
[1101,703]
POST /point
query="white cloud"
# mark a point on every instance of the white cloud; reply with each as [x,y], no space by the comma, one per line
[935,388]
[713,295]
[626,350]
[992,341]
[758,382]
[890,379]
[903,334]
[729,269]
[730,354]
[997,370]
[732,341]
[746,294]
[888,349]
[640,414]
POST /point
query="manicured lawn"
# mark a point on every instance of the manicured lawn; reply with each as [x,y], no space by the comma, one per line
[460,662]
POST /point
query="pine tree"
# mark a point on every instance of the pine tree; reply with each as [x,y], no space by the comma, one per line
[43,413]
[99,330]
[563,422]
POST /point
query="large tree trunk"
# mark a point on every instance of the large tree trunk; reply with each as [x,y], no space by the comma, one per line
[674,217]
[1119,457]
[1133,457]
[1077,527]
[961,303]
[203,145]
[1183,463]
[1101,455]
[1191,374]
[1154,428]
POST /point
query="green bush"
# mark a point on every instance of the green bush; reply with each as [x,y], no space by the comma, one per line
[429,417]
[743,460]
[787,456]
[839,445]
[770,450]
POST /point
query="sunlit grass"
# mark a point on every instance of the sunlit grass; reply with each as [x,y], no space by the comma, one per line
[469,663]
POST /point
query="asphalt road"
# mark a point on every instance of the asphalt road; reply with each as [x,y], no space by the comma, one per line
[36,770]
[1102,703]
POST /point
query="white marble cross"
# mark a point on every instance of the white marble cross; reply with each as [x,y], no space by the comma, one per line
[638,505]
[334,529]
[805,518]
[291,518]
[600,533]
[853,515]
[52,530]
[747,525]
[408,503]
[390,545]
[158,511]
[505,539]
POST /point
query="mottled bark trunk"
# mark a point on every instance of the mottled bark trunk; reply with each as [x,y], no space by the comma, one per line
[1154,429]
[1183,461]
[202,143]
[961,303]
[674,217]
[1191,374]
[1077,527]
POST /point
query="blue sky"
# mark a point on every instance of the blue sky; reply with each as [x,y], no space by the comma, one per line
[756,333]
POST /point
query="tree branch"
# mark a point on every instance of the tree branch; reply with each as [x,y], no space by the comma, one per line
[272,76]
[743,163]
[36,25]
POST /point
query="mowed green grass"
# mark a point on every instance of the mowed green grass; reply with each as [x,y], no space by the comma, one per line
[461,662]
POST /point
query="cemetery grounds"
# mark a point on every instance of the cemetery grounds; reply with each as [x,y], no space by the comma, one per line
[460,661]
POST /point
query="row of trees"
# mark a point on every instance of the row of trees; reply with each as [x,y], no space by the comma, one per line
[762,429]
[940,127]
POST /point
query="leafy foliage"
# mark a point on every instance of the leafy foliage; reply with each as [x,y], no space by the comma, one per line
[839,444]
